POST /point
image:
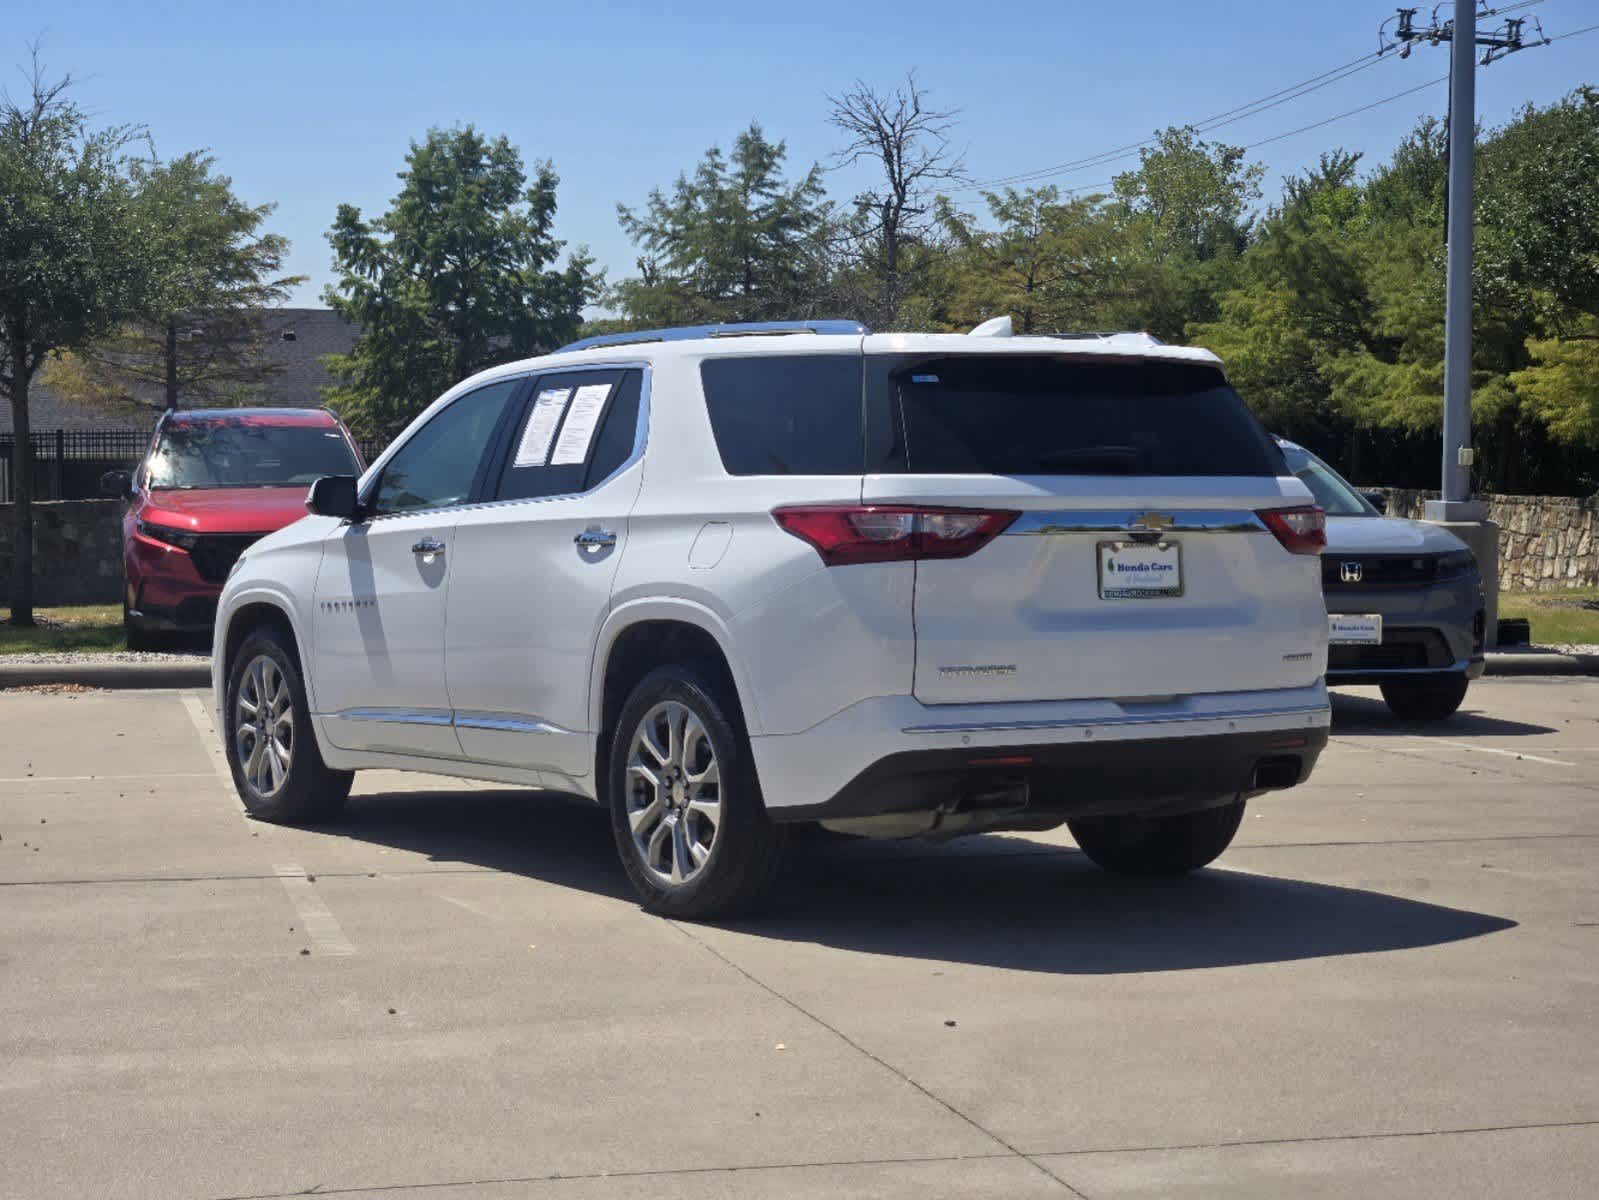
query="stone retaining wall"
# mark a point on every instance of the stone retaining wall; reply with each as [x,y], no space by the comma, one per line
[77,551]
[1545,542]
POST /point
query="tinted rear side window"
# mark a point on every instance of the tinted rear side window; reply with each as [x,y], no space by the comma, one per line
[798,415]
[994,415]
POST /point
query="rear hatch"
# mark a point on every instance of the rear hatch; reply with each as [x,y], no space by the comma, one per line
[1159,545]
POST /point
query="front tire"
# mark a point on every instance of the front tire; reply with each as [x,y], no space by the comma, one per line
[1425,699]
[686,809]
[1170,845]
[277,766]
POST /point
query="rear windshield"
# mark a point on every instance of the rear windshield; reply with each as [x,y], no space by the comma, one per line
[787,415]
[994,415]
[213,454]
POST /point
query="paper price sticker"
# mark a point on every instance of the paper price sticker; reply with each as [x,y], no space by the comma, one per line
[581,418]
[535,445]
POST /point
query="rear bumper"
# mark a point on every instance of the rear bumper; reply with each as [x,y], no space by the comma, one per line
[894,755]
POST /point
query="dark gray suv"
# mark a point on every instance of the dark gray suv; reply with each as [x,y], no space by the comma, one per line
[1404,599]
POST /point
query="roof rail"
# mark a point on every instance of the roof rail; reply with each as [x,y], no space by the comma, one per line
[1136,335]
[685,333]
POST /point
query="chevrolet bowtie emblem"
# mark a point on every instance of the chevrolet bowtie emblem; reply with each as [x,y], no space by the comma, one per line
[1157,521]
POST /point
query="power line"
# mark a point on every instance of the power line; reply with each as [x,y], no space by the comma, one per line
[1215,121]
[1340,116]
[1123,151]
[1560,37]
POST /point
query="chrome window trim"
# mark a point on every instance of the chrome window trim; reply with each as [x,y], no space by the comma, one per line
[640,440]
[1118,722]
[1127,520]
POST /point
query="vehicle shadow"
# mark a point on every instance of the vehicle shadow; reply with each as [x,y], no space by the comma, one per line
[1369,715]
[994,901]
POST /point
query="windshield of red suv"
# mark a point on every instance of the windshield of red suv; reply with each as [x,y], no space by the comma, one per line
[236,454]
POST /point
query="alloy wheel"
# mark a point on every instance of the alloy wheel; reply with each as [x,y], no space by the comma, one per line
[674,792]
[263,725]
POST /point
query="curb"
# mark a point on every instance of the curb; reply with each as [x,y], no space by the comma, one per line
[107,675]
[1541,662]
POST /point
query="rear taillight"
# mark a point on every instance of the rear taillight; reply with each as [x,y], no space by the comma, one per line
[868,533]
[1300,530]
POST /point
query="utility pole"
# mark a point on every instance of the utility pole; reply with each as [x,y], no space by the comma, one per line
[1465,517]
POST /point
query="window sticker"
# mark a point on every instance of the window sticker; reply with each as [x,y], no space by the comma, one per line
[578,430]
[540,431]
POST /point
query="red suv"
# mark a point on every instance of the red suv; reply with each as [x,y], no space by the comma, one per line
[212,482]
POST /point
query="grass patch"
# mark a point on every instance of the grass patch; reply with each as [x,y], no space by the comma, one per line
[1556,617]
[84,627]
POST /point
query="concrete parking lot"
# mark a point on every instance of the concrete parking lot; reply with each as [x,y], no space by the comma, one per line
[1389,987]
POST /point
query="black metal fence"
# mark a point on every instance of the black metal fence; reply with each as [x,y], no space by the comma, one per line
[68,463]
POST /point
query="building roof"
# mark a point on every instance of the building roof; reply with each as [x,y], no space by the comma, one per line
[296,339]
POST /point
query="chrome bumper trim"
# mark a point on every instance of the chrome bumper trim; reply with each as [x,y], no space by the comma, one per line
[1303,710]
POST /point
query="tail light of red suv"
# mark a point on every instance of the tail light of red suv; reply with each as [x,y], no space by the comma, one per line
[870,533]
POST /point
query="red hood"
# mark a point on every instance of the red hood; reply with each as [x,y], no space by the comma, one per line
[225,510]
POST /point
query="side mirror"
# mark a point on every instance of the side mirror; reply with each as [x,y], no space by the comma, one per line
[1377,500]
[118,484]
[333,496]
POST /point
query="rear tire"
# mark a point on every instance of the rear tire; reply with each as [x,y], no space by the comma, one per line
[686,808]
[277,766]
[1425,699]
[1172,845]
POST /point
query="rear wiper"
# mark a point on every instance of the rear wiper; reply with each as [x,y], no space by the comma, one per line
[1118,457]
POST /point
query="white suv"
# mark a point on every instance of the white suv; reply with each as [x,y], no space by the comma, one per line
[727,580]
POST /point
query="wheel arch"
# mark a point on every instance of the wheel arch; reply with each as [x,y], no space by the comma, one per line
[251,611]
[647,634]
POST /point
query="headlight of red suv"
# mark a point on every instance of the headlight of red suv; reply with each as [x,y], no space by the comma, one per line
[182,539]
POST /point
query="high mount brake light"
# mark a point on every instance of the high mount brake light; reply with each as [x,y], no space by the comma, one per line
[868,533]
[1300,530]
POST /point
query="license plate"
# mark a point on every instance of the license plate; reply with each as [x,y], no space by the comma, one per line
[1345,629]
[1140,570]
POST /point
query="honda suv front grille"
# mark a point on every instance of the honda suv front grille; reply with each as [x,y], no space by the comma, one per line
[215,553]
[1341,572]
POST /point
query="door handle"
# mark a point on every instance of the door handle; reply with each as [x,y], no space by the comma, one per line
[595,539]
[428,547]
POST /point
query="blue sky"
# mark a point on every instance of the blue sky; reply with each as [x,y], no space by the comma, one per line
[309,105]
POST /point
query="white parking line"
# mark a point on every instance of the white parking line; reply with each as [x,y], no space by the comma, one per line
[1553,762]
[320,925]
[202,722]
[327,938]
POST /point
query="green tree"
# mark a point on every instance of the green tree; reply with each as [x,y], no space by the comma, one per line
[734,241]
[1051,264]
[1298,299]
[458,274]
[69,266]
[212,274]
[1188,206]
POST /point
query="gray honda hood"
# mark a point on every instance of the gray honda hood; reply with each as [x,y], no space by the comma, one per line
[1388,535]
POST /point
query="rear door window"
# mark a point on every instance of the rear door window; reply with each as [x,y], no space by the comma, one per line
[576,430]
[786,415]
[1016,415]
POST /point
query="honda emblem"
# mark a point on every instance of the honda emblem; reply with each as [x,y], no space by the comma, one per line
[1350,572]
